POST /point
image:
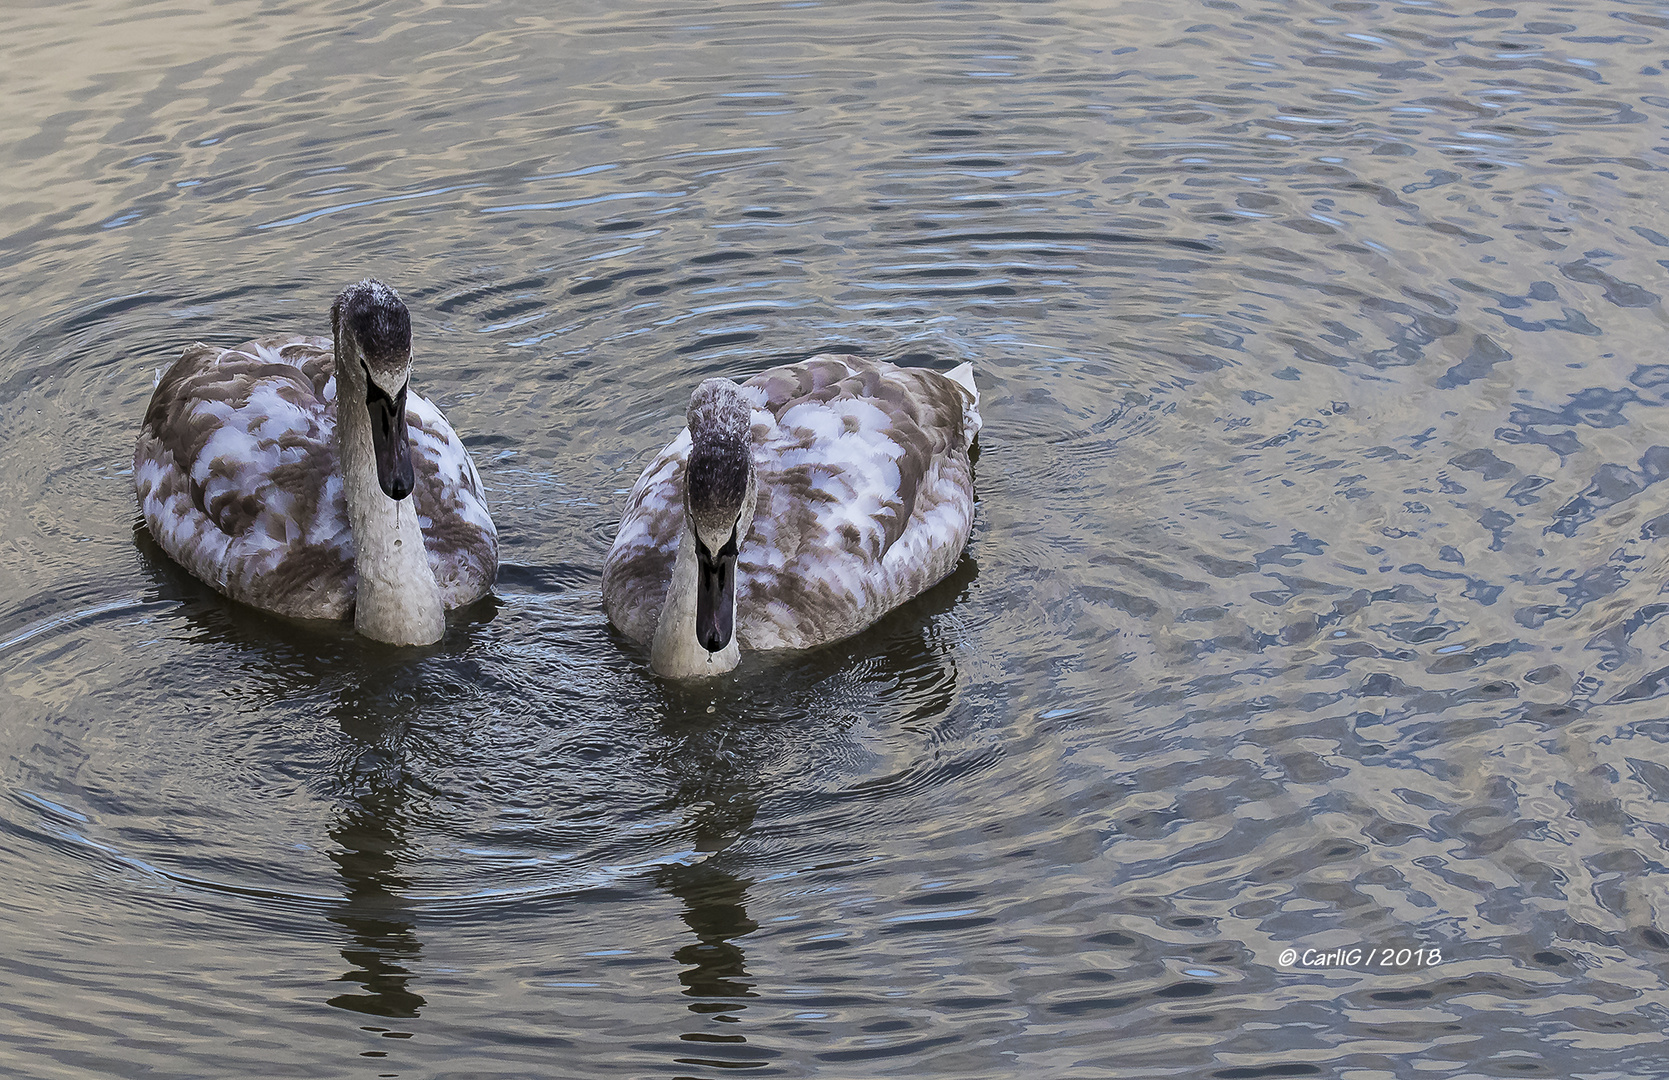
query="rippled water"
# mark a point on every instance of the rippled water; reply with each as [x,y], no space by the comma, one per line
[1315,597]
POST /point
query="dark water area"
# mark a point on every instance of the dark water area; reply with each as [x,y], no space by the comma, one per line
[1315,599]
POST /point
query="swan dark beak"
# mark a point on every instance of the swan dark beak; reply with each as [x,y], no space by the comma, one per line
[391,442]
[715,595]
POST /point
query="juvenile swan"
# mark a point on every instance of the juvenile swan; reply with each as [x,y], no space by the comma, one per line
[279,472]
[795,509]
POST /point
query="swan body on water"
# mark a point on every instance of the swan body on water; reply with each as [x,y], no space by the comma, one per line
[795,509]
[300,475]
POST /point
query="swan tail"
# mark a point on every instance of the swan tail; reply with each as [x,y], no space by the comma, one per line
[963,374]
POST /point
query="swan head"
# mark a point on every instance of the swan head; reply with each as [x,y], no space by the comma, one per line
[720,488]
[373,364]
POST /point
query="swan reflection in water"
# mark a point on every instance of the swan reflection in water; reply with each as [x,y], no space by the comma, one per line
[714,897]
[720,767]
[369,842]
[718,793]
[718,751]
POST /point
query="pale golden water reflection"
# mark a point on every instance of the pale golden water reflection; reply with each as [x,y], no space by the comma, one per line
[1315,598]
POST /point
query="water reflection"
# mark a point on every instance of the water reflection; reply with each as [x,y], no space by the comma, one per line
[718,789]
[368,844]
[721,804]
[369,841]
[722,752]
[376,695]
[715,753]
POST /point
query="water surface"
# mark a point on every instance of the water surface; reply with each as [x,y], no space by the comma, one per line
[1314,599]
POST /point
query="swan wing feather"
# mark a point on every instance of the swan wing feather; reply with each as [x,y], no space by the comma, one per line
[638,569]
[236,474]
[458,532]
[866,497]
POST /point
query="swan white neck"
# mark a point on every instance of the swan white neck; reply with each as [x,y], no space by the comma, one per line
[675,653]
[397,600]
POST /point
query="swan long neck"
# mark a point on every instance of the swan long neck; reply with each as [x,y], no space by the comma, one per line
[675,652]
[397,599]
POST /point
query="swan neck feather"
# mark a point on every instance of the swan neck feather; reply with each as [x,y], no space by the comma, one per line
[396,599]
